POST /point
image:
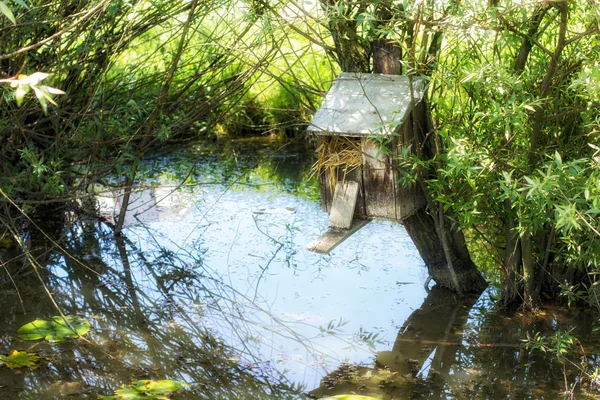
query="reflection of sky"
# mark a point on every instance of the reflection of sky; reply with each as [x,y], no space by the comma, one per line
[255,242]
[241,274]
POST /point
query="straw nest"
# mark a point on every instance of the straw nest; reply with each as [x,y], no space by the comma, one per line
[337,154]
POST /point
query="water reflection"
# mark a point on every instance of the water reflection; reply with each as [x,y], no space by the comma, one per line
[423,361]
[214,288]
[444,350]
[211,285]
[140,326]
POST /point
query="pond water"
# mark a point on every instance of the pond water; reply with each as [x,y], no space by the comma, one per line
[211,285]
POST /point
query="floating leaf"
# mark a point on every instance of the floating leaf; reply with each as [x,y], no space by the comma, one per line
[146,389]
[7,13]
[350,397]
[54,330]
[19,359]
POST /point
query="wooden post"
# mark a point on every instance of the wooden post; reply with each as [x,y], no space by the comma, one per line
[378,181]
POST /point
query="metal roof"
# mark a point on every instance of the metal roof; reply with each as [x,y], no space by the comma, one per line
[366,104]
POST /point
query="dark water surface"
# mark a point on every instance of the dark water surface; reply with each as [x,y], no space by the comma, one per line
[211,285]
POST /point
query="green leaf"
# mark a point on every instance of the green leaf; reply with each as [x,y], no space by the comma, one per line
[24,83]
[350,397]
[21,3]
[54,330]
[147,389]
[20,93]
[19,359]
[44,95]
[7,13]
[557,159]
[42,99]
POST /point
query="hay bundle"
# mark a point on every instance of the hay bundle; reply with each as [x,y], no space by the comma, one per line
[337,153]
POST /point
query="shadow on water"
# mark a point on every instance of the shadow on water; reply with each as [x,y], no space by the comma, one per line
[446,349]
[139,329]
[211,285]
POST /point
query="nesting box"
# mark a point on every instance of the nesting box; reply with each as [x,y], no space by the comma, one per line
[362,127]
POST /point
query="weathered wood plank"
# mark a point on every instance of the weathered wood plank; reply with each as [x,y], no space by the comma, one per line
[325,186]
[379,181]
[344,202]
[332,238]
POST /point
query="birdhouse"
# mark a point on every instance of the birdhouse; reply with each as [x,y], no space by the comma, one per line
[362,127]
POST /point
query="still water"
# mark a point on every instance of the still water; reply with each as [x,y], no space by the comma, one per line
[211,285]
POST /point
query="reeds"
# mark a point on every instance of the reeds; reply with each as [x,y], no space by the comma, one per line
[337,153]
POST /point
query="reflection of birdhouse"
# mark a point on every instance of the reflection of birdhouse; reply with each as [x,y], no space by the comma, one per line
[363,126]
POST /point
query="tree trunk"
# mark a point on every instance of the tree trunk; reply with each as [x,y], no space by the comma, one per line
[443,250]
[350,51]
[386,58]
[422,229]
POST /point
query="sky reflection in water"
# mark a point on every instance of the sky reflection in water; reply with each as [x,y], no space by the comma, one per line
[254,242]
[212,285]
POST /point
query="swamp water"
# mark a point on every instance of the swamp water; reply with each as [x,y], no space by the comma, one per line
[211,285]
